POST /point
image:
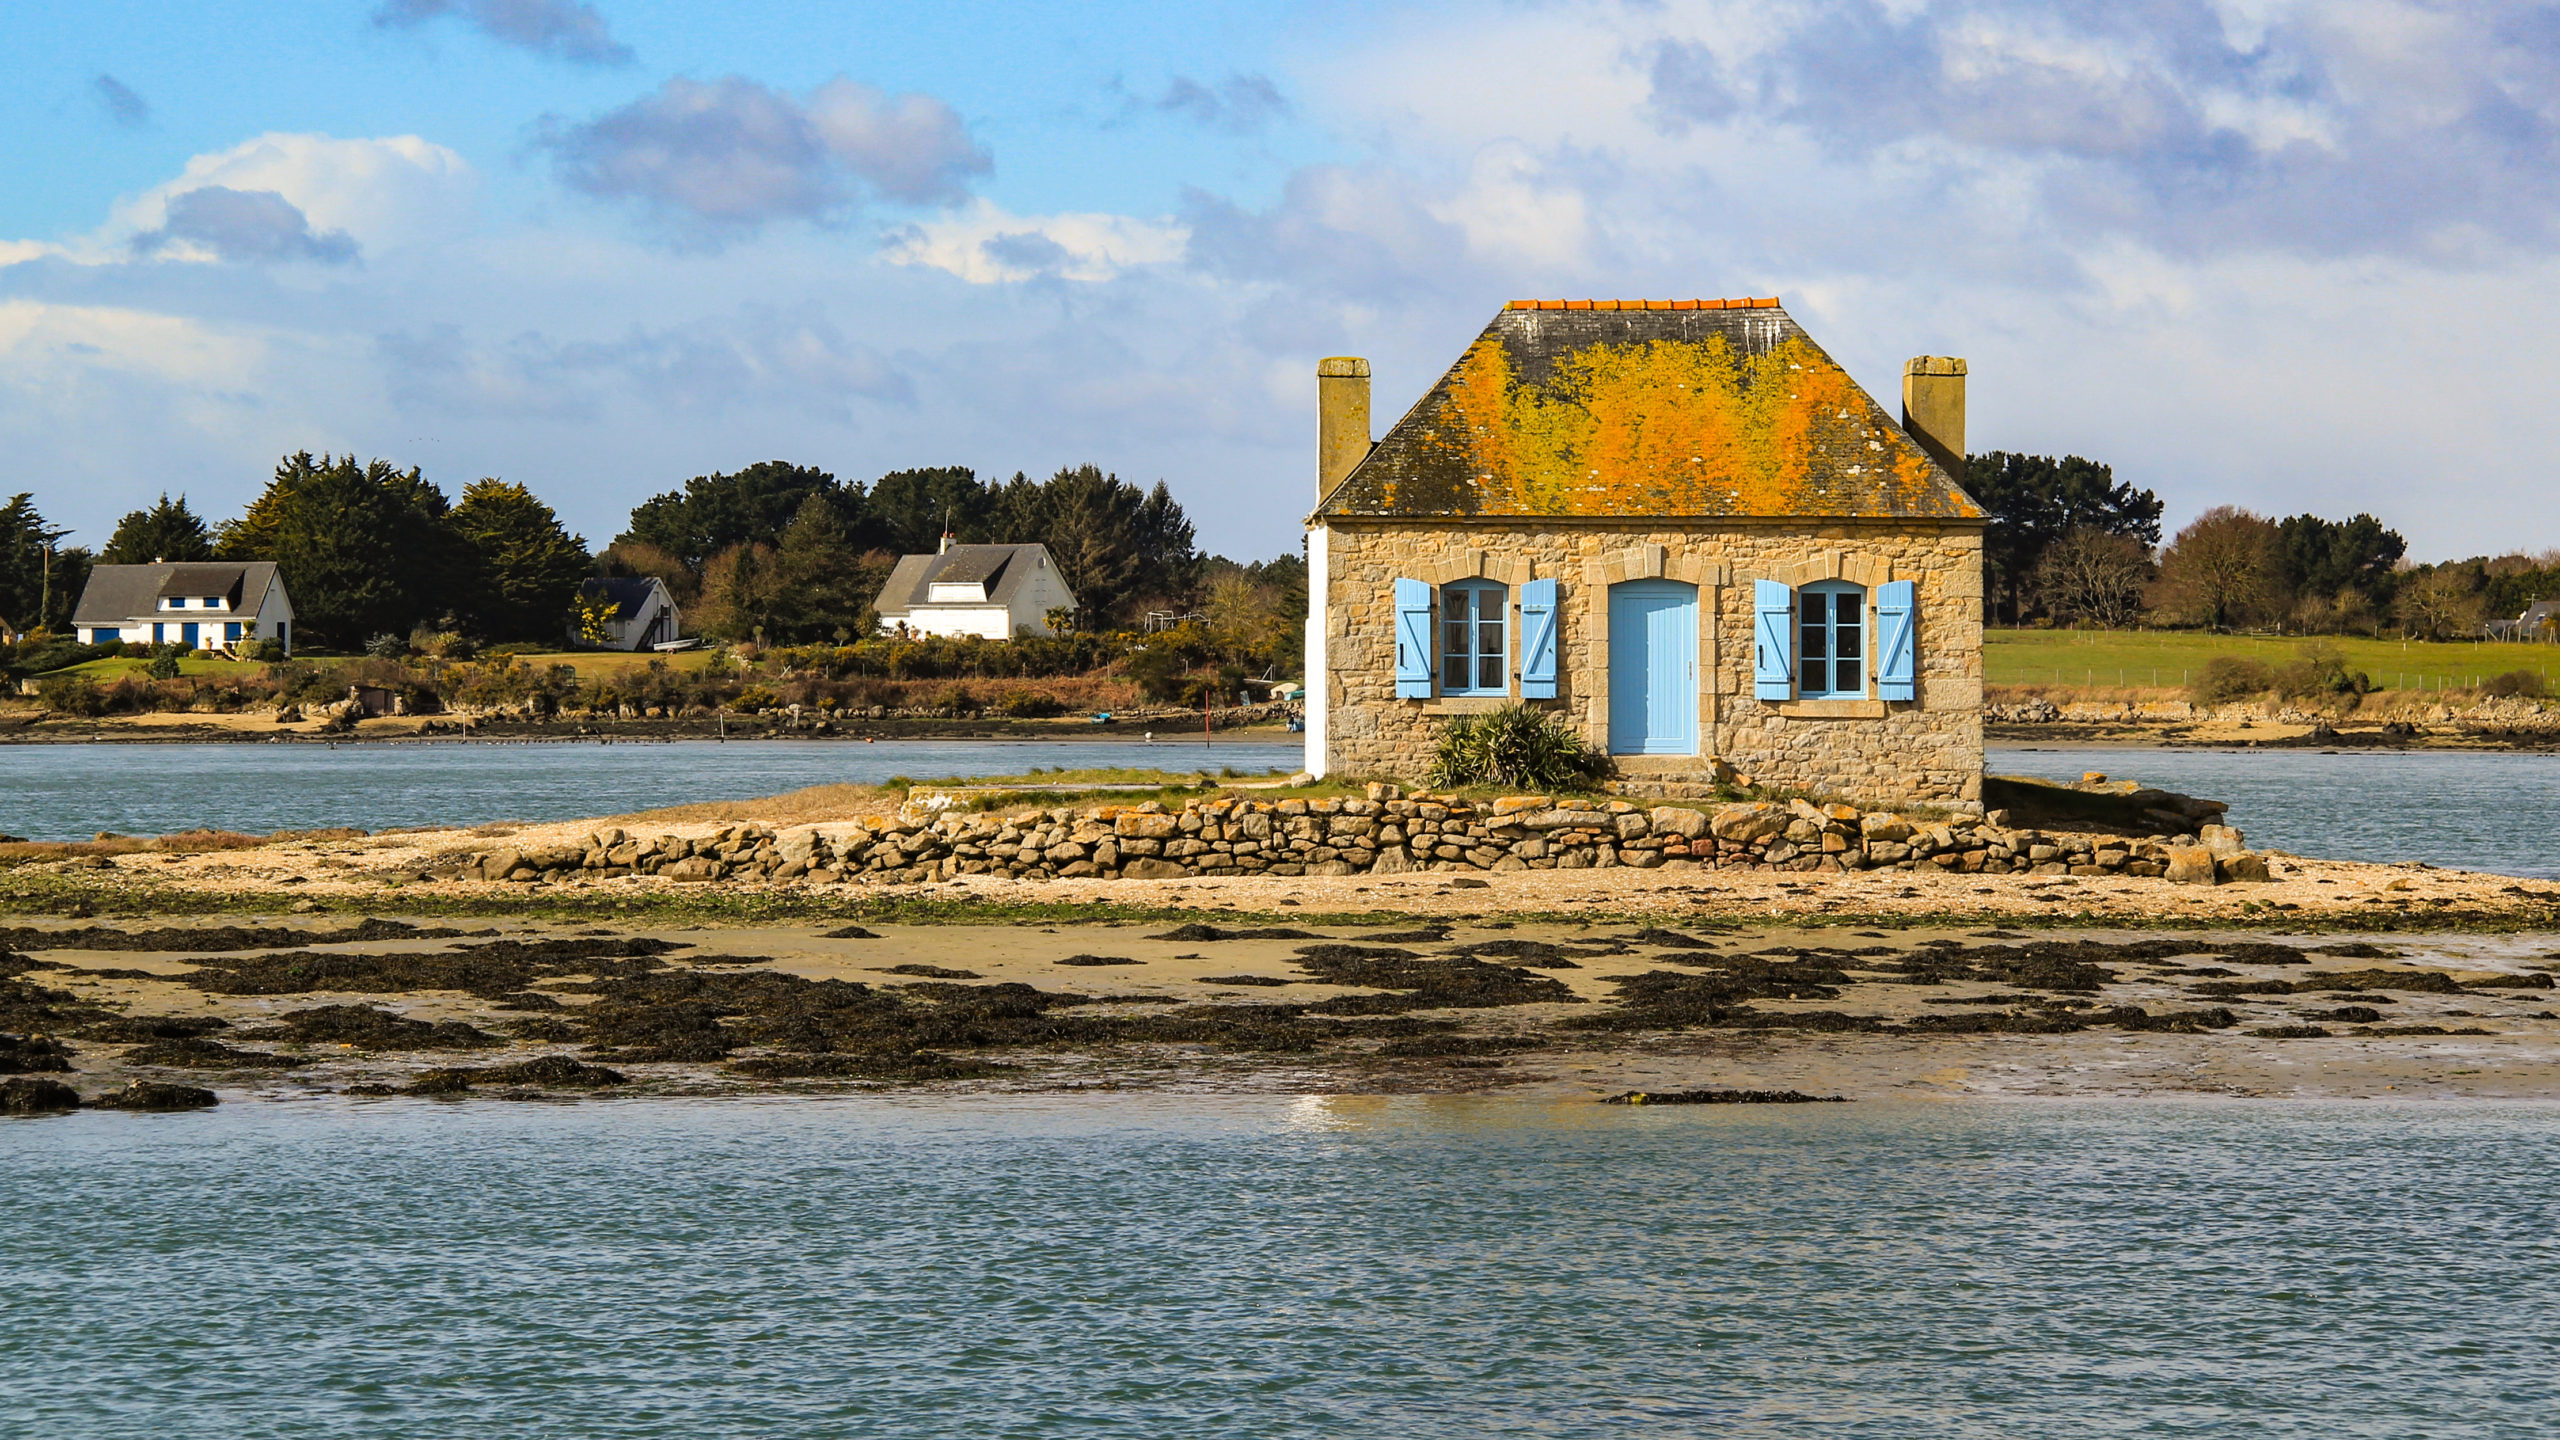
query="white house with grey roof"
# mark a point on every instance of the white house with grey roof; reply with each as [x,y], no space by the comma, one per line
[644,616]
[992,591]
[201,605]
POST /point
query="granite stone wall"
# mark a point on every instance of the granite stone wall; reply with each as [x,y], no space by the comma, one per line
[1928,750]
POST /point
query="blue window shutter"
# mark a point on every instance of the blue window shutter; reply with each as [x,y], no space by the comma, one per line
[1413,640]
[1773,650]
[1538,640]
[1897,665]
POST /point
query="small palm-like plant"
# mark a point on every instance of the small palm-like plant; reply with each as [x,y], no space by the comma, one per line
[1516,747]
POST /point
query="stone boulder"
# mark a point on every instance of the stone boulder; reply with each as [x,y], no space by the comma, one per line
[1742,824]
[2246,867]
[2192,865]
[1676,820]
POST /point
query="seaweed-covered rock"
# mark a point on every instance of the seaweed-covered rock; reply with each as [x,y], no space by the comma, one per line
[368,1028]
[498,967]
[551,1072]
[1196,934]
[144,1029]
[155,1095]
[1423,982]
[36,1097]
[914,1065]
[208,1055]
[1722,1097]
[208,939]
[33,1055]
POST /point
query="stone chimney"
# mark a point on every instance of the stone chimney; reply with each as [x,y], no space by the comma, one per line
[1342,419]
[1933,409]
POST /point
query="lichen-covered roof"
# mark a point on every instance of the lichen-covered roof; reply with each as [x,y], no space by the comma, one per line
[1594,409]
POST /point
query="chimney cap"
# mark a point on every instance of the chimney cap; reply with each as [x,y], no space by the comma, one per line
[1933,365]
[1342,367]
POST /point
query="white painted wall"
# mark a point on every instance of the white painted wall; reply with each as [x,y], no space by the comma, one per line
[992,622]
[1319,678]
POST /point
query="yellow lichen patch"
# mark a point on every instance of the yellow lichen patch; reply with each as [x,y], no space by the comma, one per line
[1668,427]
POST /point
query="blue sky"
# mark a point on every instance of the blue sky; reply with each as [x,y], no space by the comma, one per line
[2293,256]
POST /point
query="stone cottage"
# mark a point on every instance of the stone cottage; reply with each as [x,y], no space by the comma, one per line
[1678,524]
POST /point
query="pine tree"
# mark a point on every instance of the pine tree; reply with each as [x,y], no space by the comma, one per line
[526,566]
[817,575]
[365,550]
[167,531]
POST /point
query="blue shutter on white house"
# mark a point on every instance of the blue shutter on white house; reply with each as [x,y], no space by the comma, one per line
[1538,640]
[1413,640]
[1897,666]
[1773,651]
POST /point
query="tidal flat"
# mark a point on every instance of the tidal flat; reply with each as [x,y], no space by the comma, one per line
[1549,1009]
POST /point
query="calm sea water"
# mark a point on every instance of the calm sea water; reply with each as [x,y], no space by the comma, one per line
[2492,812]
[1280,1267]
[71,792]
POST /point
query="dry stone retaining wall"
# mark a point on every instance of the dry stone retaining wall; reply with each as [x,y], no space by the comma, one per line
[1388,835]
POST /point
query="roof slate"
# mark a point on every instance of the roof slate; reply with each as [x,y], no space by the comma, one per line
[994,566]
[116,594]
[1597,409]
[197,580]
[628,593]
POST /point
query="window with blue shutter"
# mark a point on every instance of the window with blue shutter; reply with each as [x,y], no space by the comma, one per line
[1831,655]
[1413,640]
[1475,649]
[1773,641]
[1897,649]
[1538,640]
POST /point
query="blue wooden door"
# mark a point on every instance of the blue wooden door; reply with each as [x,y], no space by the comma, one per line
[1653,668]
[187,635]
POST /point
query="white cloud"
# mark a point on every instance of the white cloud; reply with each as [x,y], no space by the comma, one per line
[986,244]
[383,192]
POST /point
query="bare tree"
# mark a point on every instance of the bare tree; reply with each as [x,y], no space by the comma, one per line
[2227,566]
[2439,602]
[2089,576]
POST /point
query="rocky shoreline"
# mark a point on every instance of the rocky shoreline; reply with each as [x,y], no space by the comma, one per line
[2493,723]
[319,725]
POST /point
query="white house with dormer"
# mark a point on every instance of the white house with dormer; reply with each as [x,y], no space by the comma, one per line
[200,605]
[992,591]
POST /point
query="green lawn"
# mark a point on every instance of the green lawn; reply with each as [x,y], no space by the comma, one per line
[107,672]
[2165,659]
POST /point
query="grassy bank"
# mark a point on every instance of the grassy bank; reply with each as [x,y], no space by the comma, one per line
[2166,660]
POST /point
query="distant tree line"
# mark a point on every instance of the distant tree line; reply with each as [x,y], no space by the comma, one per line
[379,557]
[2069,544]
[791,552]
